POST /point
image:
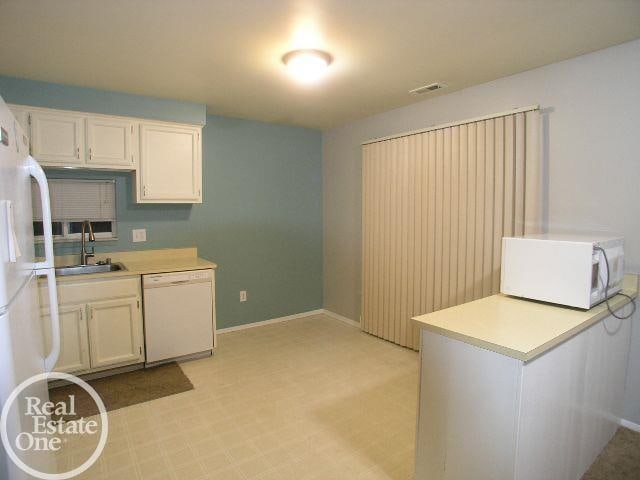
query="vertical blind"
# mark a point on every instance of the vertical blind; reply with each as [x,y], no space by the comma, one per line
[436,205]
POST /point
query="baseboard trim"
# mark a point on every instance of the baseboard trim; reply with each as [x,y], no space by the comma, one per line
[344,319]
[261,323]
[630,425]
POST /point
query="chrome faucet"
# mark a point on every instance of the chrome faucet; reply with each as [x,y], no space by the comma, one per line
[84,255]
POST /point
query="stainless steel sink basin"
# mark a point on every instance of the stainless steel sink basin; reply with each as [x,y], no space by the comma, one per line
[85,269]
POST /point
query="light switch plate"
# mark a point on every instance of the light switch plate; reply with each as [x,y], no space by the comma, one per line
[139,234]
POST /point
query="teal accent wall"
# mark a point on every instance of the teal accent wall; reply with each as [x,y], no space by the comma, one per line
[66,97]
[261,216]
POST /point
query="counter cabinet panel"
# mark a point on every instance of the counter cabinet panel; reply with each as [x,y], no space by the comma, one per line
[485,415]
[572,402]
[467,411]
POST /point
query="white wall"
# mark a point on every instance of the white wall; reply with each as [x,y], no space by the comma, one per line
[591,152]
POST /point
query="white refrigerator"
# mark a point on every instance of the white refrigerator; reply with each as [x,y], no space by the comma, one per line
[22,349]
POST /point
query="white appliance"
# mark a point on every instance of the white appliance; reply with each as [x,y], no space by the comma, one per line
[22,350]
[565,269]
[178,315]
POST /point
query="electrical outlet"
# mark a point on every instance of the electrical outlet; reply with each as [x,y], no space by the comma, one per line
[243,295]
[139,235]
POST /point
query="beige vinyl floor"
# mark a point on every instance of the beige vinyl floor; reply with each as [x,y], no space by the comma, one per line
[311,398]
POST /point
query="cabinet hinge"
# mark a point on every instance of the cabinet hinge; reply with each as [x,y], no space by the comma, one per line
[140,350]
[29,119]
[144,191]
[138,302]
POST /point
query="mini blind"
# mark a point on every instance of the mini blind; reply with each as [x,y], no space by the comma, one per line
[436,204]
[76,200]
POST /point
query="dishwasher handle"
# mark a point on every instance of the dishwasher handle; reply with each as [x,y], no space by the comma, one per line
[177,278]
[169,284]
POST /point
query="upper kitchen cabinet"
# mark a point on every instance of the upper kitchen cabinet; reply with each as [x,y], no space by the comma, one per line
[22,115]
[57,139]
[165,157]
[170,168]
[110,143]
[66,139]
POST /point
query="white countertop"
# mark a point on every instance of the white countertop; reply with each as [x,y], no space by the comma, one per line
[522,329]
[141,262]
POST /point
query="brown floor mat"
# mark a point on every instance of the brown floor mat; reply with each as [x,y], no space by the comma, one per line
[125,389]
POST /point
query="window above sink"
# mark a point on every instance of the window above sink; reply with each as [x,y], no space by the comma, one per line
[72,202]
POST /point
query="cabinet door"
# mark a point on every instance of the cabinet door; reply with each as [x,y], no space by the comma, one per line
[115,332]
[170,164]
[57,138]
[74,338]
[109,142]
[22,116]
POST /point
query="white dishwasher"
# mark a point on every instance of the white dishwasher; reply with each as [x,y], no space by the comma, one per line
[178,315]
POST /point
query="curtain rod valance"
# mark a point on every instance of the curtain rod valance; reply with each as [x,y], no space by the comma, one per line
[453,124]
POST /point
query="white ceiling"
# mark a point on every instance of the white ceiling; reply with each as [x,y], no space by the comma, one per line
[226,53]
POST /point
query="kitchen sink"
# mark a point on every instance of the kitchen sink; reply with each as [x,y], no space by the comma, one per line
[85,269]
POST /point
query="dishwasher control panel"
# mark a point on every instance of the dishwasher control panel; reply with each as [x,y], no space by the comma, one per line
[176,278]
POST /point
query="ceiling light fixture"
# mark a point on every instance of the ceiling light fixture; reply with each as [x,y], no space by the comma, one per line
[307,65]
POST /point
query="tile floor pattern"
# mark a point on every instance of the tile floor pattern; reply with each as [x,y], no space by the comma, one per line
[311,398]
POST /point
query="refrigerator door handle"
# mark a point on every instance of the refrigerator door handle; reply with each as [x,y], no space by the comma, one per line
[47,266]
[36,172]
[12,240]
[51,359]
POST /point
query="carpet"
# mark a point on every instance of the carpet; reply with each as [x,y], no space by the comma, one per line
[123,390]
[620,459]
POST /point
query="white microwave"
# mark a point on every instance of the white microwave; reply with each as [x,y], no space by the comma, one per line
[564,269]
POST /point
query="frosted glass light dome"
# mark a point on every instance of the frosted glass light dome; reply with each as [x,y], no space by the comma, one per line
[308,65]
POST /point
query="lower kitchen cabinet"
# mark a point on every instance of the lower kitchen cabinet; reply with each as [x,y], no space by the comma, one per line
[100,324]
[115,332]
[74,339]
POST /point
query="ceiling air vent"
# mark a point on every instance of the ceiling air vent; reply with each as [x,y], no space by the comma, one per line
[427,88]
